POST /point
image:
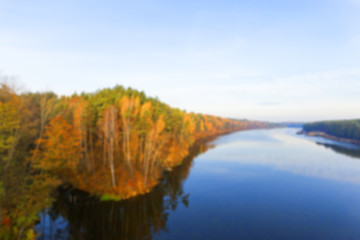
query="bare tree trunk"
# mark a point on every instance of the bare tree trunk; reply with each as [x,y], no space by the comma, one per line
[111,149]
[104,147]
[109,124]
[126,142]
[147,157]
[45,110]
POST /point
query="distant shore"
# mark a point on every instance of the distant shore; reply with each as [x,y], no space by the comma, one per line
[325,135]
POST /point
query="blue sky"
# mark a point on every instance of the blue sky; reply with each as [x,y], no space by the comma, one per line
[267,60]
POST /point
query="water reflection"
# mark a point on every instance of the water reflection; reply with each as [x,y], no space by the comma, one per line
[77,215]
[282,149]
[348,151]
[239,190]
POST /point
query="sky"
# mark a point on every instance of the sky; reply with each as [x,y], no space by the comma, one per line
[276,60]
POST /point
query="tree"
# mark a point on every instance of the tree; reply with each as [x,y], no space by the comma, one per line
[10,118]
[61,149]
[110,132]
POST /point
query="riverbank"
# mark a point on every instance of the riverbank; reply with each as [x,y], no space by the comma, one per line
[224,193]
[325,135]
[191,151]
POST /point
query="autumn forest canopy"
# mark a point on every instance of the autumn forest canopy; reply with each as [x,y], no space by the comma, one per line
[114,142]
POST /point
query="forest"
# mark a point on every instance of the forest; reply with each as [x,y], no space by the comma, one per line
[346,129]
[114,144]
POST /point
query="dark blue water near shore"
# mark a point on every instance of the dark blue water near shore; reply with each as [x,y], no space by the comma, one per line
[261,184]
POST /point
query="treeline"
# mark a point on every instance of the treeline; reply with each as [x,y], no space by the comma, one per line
[346,129]
[115,141]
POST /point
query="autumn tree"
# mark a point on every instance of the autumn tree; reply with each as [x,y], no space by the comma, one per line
[110,127]
[61,149]
[10,118]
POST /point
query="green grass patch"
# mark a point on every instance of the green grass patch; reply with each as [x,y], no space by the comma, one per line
[110,197]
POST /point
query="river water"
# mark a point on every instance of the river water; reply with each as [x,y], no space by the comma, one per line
[259,184]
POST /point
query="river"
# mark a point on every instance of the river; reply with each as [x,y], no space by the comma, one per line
[259,184]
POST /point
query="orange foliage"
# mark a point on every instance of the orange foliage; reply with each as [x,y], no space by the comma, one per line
[128,146]
[60,146]
[6,221]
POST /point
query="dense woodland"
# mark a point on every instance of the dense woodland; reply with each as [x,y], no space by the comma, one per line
[347,129]
[114,143]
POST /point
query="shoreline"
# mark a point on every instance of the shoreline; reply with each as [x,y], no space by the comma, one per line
[200,141]
[204,140]
[327,136]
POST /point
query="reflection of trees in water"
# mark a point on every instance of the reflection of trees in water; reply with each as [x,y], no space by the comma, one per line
[21,198]
[138,218]
[352,152]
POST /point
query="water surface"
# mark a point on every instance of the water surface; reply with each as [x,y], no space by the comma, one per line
[260,184]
